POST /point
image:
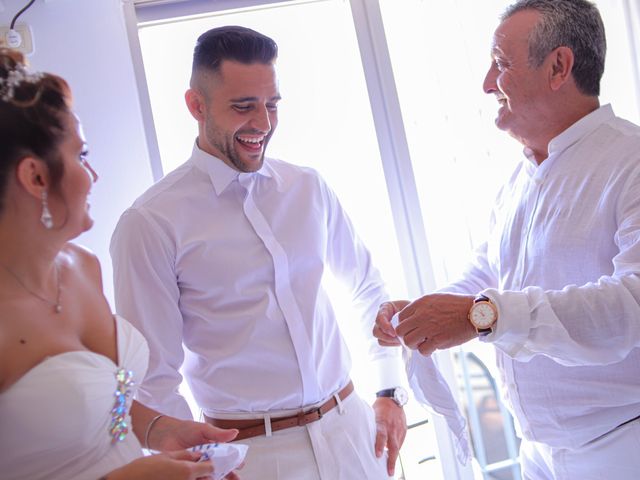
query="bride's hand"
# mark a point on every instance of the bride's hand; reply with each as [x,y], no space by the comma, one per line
[179,465]
[173,434]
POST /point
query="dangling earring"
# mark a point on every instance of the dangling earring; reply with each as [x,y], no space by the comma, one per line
[46,218]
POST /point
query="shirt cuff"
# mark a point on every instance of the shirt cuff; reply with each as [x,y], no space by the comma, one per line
[511,330]
[390,369]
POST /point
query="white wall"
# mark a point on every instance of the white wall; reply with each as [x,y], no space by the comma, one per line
[85,42]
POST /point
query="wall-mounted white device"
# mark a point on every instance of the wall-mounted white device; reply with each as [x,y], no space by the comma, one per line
[20,38]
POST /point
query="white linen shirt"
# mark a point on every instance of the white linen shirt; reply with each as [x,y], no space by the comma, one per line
[194,264]
[561,264]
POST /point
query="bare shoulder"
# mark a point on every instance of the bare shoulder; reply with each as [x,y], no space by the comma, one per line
[79,253]
[84,262]
[81,274]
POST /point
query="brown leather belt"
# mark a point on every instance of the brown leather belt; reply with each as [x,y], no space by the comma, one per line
[255,426]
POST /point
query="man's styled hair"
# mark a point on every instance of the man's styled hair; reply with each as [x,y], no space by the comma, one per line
[234,43]
[575,24]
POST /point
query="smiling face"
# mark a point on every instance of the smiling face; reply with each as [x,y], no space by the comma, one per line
[240,113]
[77,179]
[519,88]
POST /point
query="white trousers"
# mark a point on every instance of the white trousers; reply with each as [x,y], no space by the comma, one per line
[339,446]
[614,456]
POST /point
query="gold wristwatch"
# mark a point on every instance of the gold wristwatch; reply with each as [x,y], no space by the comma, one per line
[483,314]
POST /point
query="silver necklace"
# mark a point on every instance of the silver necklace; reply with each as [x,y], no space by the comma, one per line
[57,305]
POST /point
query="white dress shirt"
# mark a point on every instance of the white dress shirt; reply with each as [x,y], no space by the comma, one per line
[231,264]
[561,263]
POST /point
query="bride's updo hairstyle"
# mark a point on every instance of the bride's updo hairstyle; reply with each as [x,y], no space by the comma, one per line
[33,106]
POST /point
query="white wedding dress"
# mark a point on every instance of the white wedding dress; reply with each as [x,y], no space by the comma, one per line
[55,421]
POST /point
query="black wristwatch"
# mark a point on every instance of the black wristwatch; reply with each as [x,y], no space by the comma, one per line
[398,395]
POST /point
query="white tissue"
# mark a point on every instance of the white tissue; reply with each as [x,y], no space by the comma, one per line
[395,321]
[431,390]
[226,457]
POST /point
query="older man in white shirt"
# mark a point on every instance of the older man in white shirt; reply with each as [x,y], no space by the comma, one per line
[556,287]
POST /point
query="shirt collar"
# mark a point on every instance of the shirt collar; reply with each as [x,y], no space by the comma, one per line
[568,137]
[222,175]
[580,129]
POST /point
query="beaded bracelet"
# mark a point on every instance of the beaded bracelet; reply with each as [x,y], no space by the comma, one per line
[149,427]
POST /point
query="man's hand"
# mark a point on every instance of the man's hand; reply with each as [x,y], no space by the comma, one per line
[436,321]
[391,425]
[382,329]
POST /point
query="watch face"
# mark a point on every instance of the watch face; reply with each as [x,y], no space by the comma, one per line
[400,396]
[482,315]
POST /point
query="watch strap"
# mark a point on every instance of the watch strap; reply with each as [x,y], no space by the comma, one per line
[398,394]
[481,298]
[387,392]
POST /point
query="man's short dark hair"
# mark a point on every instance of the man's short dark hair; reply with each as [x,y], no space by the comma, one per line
[568,23]
[239,44]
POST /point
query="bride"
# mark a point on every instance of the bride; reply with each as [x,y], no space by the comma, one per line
[68,367]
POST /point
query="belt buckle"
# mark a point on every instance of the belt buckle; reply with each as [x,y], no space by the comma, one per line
[303,416]
[319,411]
